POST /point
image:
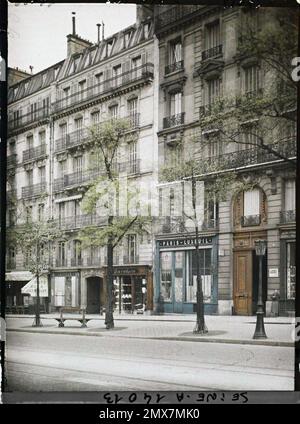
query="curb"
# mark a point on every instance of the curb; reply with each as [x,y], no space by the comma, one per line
[166,338]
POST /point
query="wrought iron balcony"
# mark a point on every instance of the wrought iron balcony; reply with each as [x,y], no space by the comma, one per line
[76,178]
[173,121]
[142,73]
[255,156]
[61,262]
[34,153]
[28,119]
[76,262]
[130,167]
[210,224]
[287,216]
[33,190]
[173,67]
[73,139]
[93,261]
[11,160]
[212,52]
[131,259]
[250,220]
[174,15]
[76,222]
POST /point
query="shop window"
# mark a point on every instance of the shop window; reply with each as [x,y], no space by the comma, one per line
[291,270]
[205,274]
[166,275]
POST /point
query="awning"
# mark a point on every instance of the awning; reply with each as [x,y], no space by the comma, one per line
[18,276]
[30,288]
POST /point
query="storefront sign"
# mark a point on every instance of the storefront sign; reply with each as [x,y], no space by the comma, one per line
[125,271]
[31,287]
[273,272]
[185,242]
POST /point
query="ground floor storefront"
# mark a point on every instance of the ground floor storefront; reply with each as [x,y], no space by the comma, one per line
[176,274]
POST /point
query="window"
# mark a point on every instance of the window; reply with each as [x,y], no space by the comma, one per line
[95,117]
[77,165]
[33,112]
[11,258]
[41,212]
[62,167]
[291,270]
[133,157]
[66,96]
[117,70]
[251,202]
[29,141]
[109,47]
[76,252]
[212,35]
[136,65]
[11,217]
[131,246]
[61,260]
[146,30]
[56,71]
[29,176]
[166,275]
[42,174]
[132,106]
[75,64]
[211,210]
[175,52]
[249,138]
[205,273]
[127,36]
[113,111]
[63,128]
[78,128]
[99,82]
[214,147]
[213,91]
[28,214]
[289,194]
[82,89]
[45,106]
[252,79]
[42,138]
[175,104]
[61,212]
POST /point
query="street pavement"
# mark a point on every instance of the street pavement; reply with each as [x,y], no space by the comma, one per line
[221,329]
[56,362]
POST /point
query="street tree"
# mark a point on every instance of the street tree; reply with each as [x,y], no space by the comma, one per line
[34,238]
[112,196]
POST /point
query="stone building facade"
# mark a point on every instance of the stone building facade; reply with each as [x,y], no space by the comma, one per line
[164,73]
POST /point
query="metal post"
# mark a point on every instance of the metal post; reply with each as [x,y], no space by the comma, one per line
[260,328]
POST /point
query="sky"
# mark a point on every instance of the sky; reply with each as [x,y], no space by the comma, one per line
[37,32]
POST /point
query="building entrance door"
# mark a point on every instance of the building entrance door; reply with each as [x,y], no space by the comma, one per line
[94,292]
[242,284]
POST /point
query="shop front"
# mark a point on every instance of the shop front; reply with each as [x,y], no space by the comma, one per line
[133,289]
[176,275]
[287,273]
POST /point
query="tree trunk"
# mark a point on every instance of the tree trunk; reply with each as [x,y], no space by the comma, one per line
[200,327]
[109,318]
[37,321]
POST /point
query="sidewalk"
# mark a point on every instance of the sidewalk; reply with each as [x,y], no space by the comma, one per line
[173,327]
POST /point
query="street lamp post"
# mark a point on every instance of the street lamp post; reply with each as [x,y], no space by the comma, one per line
[260,249]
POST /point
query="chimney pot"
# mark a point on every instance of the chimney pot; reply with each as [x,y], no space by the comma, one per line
[98,25]
[73,23]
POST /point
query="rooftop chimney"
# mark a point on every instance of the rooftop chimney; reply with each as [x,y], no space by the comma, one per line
[31,68]
[102,30]
[98,25]
[73,23]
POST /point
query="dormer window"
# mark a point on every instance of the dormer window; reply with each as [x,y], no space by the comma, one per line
[75,64]
[146,30]
[109,47]
[127,36]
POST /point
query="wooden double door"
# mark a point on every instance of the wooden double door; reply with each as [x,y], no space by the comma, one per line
[246,280]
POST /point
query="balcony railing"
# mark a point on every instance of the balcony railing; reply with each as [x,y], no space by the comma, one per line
[174,14]
[33,190]
[28,118]
[250,220]
[76,262]
[212,52]
[127,260]
[93,261]
[75,222]
[287,216]
[255,156]
[60,262]
[143,72]
[131,167]
[11,160]
[173,67]
[173,121]
[71,140]
[75,179]
[34,153]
